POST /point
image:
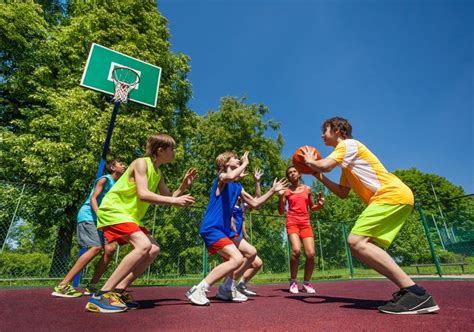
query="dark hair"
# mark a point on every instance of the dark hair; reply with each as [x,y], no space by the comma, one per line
[342,124]
[288,168]
[110,163]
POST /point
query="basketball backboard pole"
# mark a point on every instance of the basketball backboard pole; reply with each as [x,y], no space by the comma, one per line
[110,129]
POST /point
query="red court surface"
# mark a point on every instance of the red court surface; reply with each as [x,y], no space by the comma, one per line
[337,306]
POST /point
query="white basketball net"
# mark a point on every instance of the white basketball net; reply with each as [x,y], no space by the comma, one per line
[122,89]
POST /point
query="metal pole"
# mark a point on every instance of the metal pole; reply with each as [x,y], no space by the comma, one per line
[251,233]
[437,231]
[13,218]
[320,244]
[348,252]
[100,170]
[153,235]
[428,236]
[440,211]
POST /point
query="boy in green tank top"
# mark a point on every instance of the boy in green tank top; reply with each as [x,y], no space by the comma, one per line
[120,214]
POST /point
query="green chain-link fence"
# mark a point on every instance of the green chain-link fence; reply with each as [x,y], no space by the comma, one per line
[31,254]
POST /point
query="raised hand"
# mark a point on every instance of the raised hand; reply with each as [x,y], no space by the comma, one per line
[279,185]
[308,154]
[320,199]
[184,200]
[190,176]
[245,158]
[257,174]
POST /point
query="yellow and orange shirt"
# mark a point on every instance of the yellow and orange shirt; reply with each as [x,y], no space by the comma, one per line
[365,174]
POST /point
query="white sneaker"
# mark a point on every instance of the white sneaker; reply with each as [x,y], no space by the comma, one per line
[294,288]
[197,295]
[230,295]
[308,288]
[244,290]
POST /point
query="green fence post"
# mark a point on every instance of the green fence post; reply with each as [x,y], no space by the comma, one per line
[204,260]
[348,252]
[430,241]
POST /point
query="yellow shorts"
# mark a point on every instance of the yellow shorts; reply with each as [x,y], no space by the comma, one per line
[382,222]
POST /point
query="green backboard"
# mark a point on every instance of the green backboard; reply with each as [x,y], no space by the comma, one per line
[98,74]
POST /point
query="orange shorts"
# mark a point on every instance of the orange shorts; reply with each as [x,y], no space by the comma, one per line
[303,231]
[218,245]
[119,231]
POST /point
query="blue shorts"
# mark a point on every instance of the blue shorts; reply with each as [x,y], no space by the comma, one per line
[213,235]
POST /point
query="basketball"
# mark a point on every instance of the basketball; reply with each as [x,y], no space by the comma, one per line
[298,159]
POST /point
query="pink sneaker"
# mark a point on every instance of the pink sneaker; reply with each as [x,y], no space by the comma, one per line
[294,287]
[308,288]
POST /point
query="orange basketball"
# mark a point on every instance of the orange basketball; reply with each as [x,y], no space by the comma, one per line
[298,159]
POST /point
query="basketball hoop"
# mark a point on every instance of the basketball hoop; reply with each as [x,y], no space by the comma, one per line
[125,79]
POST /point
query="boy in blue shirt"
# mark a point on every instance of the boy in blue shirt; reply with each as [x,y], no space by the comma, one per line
[89,237]
[215,227]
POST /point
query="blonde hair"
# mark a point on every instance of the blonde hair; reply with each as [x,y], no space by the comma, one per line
[156,141]
[223,158]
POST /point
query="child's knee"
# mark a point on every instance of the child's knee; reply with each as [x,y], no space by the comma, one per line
[251,253]
[95,250]
[236,260]
[144,249]
[154,251]
[310,254]
[257,263]
[296,253]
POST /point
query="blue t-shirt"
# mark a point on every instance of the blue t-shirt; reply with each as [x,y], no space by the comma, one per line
[219,210]
[239,216]
[85,212]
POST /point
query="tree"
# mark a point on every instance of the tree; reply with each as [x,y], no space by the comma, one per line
[53,129]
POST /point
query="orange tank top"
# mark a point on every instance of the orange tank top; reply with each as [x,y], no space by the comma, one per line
[297,207]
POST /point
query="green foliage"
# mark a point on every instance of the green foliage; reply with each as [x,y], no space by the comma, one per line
[13,265]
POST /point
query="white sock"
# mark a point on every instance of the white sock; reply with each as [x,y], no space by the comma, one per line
[204,284]
[228,282]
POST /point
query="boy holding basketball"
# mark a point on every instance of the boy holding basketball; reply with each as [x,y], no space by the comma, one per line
[390,202]
[120,217]
[216,231]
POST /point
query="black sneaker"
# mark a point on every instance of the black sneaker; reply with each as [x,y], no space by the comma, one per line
[408,303]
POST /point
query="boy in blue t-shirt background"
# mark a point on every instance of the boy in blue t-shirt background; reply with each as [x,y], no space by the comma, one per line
[88,236]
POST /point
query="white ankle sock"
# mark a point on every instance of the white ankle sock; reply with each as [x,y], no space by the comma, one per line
[204,284]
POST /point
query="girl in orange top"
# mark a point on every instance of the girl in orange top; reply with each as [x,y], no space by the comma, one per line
[299,198]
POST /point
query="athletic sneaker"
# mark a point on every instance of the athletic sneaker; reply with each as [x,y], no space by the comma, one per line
[294,287]
[106,303]
[308,288]
[406,303]
[242,288]
[66,291]
[197,295]
[127,298]
[91,289]
[230,295]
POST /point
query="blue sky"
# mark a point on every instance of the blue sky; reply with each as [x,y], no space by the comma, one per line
[400,71]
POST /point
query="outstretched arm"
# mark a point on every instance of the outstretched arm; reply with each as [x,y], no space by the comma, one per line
[321,166]
[259,201]
[281,201]
[188,179]
[144,194]
[257,176]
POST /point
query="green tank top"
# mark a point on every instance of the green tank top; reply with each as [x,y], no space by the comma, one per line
[121,204]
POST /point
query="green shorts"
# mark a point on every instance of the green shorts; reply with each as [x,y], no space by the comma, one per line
[382,222]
